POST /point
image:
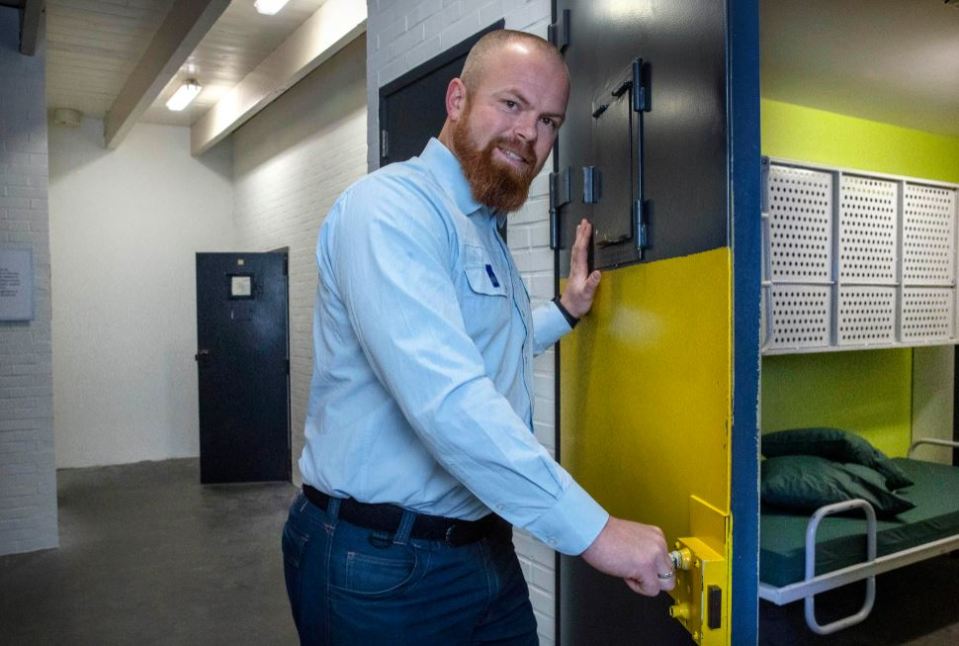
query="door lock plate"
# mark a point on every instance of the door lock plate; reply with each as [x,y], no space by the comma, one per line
[701,575]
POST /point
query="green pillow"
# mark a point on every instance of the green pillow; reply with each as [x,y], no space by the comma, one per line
[807,482]
[871,476]
[835,444]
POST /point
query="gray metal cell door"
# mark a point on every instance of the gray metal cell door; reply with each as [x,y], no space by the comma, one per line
[647,153]
[643,152]
[243,367]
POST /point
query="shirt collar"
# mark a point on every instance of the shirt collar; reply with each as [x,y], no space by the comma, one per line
[447,169]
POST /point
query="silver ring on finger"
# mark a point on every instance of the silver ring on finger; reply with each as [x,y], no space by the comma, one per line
[665,577]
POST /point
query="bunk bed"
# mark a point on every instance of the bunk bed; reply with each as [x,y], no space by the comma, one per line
[856,260]
[802,555]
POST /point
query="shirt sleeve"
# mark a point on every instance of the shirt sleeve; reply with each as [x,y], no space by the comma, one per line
[391,256]
[549,326]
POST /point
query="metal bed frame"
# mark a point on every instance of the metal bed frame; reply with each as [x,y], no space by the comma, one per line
[811,585]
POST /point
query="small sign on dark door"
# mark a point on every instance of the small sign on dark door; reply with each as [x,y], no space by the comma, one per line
[243,367]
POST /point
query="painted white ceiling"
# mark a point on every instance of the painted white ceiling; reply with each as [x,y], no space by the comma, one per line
[94,45]
[237,43]
[895,61]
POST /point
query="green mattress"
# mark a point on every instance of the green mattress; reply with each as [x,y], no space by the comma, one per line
[841,539]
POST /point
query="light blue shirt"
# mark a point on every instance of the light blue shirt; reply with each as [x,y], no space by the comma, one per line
[424,339]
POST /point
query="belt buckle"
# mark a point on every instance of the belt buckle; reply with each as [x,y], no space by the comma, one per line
[448,539]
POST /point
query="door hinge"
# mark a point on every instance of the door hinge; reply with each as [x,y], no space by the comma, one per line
[640,216]
[641,86]
[559,31]
[384,143]
[592,185]
[560,189]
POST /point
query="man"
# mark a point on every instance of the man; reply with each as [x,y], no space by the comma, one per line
[420,413]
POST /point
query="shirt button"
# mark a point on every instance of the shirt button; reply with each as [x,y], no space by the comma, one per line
[551,540]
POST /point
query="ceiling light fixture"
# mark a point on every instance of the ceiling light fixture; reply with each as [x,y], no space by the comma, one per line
[184,96]
[269,7]
[67,117]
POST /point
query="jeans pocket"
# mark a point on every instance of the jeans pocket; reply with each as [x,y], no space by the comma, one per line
[294,544]
[372,575]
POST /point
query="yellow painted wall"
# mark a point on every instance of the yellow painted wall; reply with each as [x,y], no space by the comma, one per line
[870,391]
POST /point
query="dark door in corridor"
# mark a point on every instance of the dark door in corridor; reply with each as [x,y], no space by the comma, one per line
[413,107]
[243,367]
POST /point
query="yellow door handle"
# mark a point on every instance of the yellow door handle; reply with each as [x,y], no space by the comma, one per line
[682,559]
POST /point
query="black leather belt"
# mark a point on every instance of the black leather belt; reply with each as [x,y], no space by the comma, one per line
[386,518]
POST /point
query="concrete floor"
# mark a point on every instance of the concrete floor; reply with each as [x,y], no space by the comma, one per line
[149,556]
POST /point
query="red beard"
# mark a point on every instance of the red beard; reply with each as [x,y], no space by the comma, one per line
[492,183]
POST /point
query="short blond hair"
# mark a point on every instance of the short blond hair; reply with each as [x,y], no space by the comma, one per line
[492,43]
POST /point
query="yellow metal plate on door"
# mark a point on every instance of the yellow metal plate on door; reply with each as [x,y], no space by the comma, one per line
[646,395]
[645,390]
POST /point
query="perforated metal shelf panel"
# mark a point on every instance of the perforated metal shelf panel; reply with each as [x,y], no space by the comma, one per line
[928,235]
[866,315]
[798,316]
[868,230]
[800,224]
[855,259]
[928,314]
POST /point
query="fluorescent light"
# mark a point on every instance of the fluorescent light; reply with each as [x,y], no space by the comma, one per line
[269,7]
[184,96]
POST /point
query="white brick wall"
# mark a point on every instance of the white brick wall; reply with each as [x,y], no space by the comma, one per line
[402,34]
[290,163]
[28,499]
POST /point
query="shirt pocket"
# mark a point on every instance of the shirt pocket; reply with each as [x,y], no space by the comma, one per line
[482,277]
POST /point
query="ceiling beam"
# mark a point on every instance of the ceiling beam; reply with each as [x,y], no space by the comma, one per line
[184,27]
[332,27]
[30,14]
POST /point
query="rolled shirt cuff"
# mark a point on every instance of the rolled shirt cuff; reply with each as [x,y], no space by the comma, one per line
[549,325]
[572,524]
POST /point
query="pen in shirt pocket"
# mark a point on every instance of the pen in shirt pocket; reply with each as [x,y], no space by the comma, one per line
[492,276]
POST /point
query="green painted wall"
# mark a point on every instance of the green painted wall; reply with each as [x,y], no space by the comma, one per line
[869,392]
[805,134]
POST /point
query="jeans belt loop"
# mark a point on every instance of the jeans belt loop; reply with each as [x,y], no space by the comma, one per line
[402,535]
[333,507]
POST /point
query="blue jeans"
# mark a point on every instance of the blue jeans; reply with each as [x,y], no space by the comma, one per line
[353,586]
